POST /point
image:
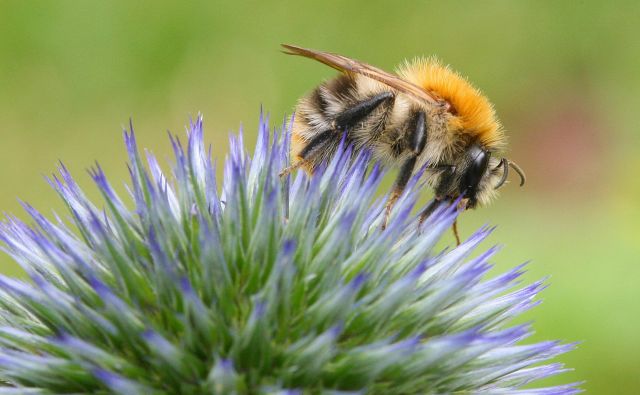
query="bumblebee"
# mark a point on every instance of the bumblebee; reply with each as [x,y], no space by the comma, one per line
[426,115]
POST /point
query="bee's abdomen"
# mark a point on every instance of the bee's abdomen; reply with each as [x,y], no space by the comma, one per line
[317,111]
[334,96]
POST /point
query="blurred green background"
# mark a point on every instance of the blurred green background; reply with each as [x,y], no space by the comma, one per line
[564,77]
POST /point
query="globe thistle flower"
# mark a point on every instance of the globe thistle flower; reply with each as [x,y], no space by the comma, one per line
[261,286]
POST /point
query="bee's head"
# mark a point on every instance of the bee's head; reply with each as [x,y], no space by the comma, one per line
[475,176]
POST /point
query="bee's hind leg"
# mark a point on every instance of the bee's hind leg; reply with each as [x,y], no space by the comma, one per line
[359,111]
[418,141]
[345,120]
[314,147]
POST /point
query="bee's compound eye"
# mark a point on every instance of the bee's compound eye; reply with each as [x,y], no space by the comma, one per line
[478,160]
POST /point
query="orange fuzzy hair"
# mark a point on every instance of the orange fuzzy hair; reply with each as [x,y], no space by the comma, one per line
[474,114]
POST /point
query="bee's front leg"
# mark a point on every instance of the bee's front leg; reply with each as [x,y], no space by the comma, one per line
[418,141]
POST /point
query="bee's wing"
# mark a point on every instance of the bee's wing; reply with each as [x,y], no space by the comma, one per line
[347,65]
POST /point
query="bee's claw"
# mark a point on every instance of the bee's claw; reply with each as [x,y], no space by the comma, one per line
[454,228]
[385,220]
[389,206]
[463,204]
[287,170]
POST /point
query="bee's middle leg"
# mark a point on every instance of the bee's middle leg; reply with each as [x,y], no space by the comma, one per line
[418,141]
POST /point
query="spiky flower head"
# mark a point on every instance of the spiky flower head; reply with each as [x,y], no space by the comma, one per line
[261,286]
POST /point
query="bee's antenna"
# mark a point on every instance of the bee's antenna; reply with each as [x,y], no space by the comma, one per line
[505,172]
[520,172]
